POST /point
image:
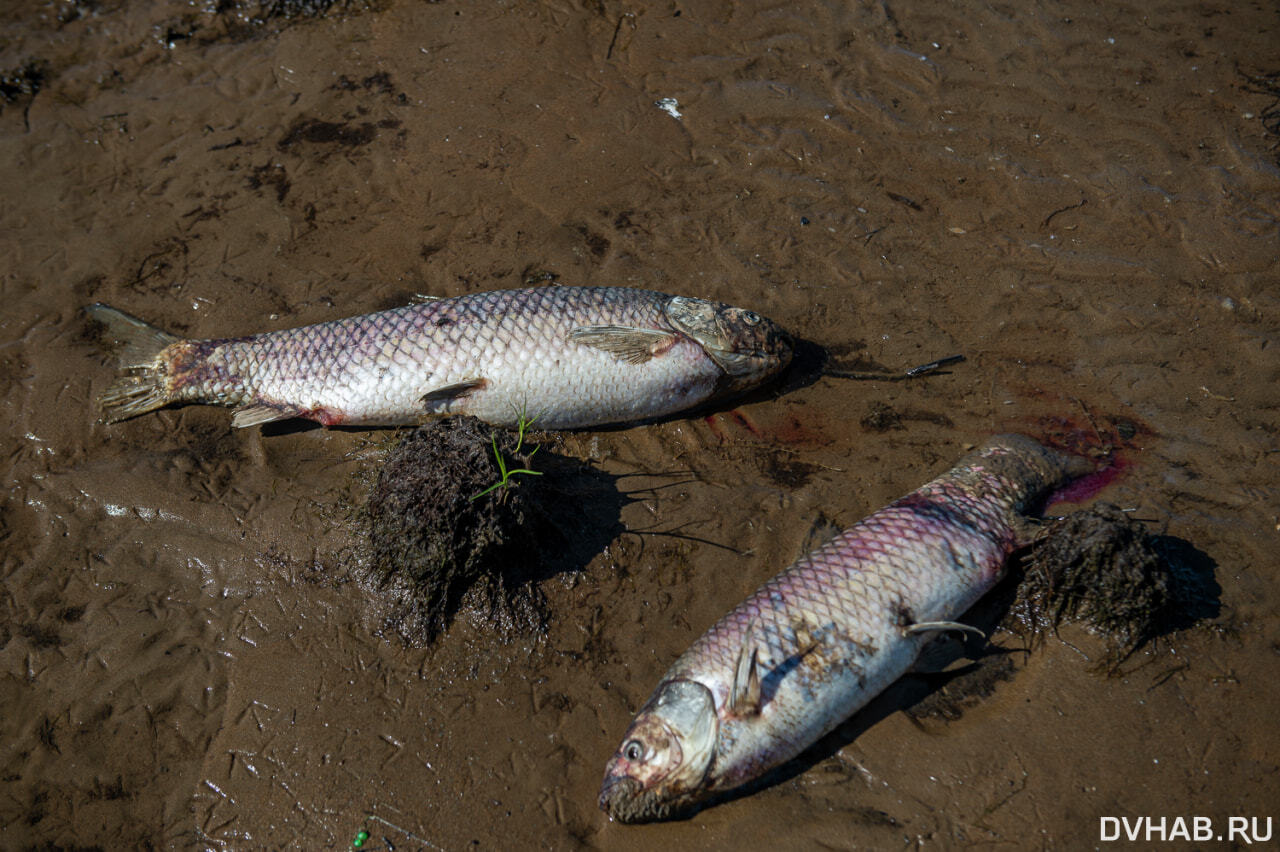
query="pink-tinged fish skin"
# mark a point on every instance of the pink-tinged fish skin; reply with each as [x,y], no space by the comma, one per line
[569,357]
[829,633]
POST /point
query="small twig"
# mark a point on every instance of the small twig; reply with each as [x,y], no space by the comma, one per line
[362,836]
[1047,219]
[913,373]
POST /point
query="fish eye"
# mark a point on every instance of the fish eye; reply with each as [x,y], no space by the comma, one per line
[633,750]
[751,317]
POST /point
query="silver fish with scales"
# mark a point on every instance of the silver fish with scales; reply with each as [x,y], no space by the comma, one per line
[568,357]
[828,634]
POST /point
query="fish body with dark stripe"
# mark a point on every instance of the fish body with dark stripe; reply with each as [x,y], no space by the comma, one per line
[828,634]
[567,357]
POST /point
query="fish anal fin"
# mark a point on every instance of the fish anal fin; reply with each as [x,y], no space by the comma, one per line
[744,697]
[628,344]
[437,401]
[939,626]
[263,412]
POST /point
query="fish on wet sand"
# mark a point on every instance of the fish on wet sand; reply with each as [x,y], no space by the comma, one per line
[829,633]
[569,357]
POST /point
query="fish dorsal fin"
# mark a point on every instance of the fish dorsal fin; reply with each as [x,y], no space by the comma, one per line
[437,401]
[632,345]
[931,626]
[744,697]
[259,413]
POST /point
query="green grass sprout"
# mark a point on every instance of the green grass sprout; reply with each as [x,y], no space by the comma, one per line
[522,427]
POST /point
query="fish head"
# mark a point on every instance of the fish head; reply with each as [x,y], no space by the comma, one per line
[661,767]
[746,346]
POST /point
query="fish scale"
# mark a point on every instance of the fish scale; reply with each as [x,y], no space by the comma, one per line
[820,639]
[567,356]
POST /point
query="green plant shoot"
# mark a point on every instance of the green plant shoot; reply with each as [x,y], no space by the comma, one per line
[522,426]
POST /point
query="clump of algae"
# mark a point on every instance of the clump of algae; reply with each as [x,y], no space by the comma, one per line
[442,538]
[1102,568]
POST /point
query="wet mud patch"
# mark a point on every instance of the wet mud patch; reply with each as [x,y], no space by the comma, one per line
[964,689]
[271,176]
[881,417]
[785,469]
[23,82]
[452,525]
[242,20]
[315,131]
[1100,435]
[1267,83]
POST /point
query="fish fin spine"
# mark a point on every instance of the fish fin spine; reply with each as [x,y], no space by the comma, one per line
[933,626]
[744,699]
[143,383]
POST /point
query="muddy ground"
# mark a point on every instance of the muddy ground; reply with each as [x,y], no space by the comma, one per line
[1081,198]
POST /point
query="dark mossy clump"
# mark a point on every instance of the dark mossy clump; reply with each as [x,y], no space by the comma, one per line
[1103,568]
[435,545]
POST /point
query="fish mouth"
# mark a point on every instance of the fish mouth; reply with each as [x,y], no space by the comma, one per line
[616,795]
[624,799]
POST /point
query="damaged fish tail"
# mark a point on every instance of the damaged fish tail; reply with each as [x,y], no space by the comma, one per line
[142,384]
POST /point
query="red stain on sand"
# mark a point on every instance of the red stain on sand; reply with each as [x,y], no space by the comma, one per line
[789,427]
[1086,487]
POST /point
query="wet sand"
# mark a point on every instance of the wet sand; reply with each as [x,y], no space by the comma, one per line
[1082,199]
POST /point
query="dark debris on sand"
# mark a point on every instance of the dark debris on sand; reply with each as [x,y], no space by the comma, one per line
[435,546]
[23,81]
[1102,568]
[240,20]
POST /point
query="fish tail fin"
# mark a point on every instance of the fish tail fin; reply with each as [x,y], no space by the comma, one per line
[142,384]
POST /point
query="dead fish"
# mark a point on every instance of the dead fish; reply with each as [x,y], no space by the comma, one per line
[563,357]
[828,634]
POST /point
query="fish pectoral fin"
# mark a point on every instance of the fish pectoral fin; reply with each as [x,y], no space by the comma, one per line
[632,345]
[436,400]
[744,699]
[259,413]
[931,626]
